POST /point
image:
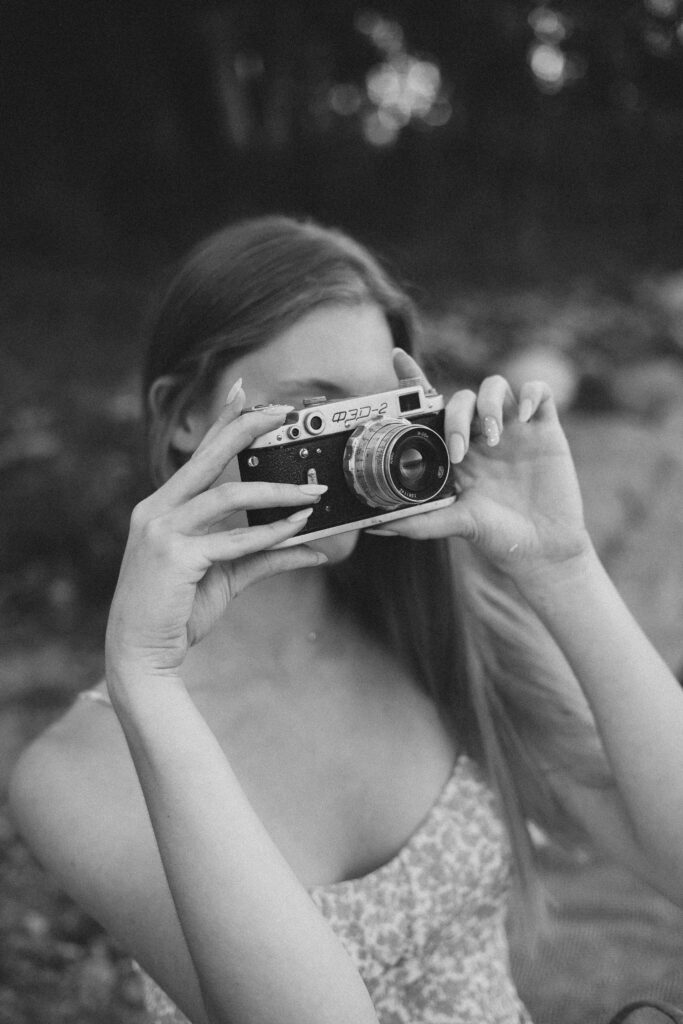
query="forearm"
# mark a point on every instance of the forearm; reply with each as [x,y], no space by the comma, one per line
[636,700]
[261,949]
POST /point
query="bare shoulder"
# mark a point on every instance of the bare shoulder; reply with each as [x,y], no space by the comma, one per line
[75,774]
[75,798]
[71,761]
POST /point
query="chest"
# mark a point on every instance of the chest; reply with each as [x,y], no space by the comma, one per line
[340,777]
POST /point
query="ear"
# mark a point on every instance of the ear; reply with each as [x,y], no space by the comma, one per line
[189,427]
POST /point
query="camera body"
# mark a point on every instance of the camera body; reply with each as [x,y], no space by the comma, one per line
[382,456]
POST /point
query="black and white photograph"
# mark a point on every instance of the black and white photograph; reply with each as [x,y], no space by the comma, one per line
[341,512]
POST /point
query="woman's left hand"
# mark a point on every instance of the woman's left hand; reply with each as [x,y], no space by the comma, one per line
[518,495]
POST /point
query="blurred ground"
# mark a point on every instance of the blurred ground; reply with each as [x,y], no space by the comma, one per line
[70,470]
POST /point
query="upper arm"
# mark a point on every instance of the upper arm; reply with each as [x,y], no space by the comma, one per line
[75,797]
[602,814]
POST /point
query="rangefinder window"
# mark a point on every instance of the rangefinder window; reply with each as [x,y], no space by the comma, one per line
[314,423]
[409,402]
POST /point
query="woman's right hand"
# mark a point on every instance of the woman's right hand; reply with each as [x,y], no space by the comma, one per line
[178,575]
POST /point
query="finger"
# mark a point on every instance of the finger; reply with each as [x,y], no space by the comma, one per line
[453,520]
[230,544]
[536,399]
[494,399]
[458,423]
[253,568]
[209,461]
[407,367]
[220,502]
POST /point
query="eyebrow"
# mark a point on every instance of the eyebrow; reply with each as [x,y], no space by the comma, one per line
[313,385]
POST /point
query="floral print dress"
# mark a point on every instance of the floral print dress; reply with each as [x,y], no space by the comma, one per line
[426,930]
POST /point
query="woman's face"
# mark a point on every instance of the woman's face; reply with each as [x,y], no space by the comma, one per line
[335,351]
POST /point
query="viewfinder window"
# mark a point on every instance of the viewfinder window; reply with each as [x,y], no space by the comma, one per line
[409,401]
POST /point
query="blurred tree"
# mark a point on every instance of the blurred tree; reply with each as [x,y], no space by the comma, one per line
[149,117]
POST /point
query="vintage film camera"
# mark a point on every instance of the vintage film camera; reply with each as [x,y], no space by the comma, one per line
[382,457]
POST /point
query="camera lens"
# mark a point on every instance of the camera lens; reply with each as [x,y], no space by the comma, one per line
[390,463]
[411,467]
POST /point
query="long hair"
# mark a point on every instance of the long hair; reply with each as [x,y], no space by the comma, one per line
[237,291]
[497,678]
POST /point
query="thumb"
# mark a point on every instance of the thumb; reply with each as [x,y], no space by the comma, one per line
[406,366]
[454,520]
[234,403]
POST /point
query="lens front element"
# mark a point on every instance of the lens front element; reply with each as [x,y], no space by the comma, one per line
[411,467]
[389,463]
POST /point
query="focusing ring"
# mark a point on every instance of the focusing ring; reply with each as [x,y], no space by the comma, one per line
[382,456]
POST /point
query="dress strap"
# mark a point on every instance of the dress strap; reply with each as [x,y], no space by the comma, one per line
[95,695]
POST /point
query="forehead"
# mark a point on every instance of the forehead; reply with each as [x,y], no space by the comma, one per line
[349,346]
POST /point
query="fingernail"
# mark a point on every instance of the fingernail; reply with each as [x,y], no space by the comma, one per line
[321,558]
[276,410]
[491,430]
[456,447]
[313,488]
[526,408]
[298,517]
[233,392]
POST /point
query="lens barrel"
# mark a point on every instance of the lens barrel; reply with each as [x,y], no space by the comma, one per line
[389,463]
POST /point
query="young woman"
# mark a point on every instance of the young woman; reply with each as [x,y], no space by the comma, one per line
[286,799]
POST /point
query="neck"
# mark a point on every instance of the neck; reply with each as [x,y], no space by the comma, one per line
[282,623]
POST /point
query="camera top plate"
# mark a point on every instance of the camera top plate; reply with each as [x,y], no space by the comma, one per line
[333,417]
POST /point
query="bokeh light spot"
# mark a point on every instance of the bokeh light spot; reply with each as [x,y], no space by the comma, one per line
[400,89]
[345,99]
[380,130]
[549,65]
[439,114]
[248,66]
[662,8]
[386,34]
[548,25]
[659,42]
[405,86]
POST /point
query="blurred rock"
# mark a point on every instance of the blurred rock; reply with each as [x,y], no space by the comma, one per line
[97,977]
[631,478]
[74,926]
[69,952]
[130,989]
[649,389]
[55,668]
[11,1011]
[666,295]
[8,833]
[547,364]
[35,924]
[594,394]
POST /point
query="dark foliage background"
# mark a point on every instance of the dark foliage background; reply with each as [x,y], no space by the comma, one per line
[555,143]
[518,164]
